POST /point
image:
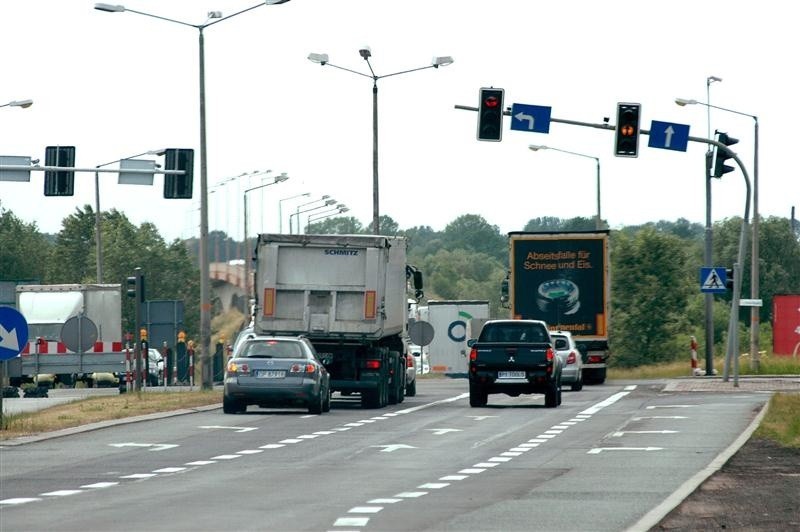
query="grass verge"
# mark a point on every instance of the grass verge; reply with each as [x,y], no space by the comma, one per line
[94,409]
[782,422]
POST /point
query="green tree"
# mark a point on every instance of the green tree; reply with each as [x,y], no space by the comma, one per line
[337,225]
[550,223]
[24,251]
[73,257]
[651,286]
[472,232]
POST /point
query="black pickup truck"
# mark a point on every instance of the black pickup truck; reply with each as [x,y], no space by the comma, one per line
[514,357]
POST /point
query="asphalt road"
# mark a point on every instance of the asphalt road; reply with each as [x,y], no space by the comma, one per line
[604,460]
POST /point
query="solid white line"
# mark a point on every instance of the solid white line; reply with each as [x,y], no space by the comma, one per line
[654,516]
[602,404]
[428,405]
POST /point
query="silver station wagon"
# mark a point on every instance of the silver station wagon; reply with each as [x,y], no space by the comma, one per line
[276,371]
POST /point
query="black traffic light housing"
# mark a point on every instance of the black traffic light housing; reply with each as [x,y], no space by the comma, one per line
[626,143]
[135,285]
[59,182]
[729,278]
[178,186]
[721,156]
[490,114]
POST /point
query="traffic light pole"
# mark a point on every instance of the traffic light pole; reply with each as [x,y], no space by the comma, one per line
[733,328]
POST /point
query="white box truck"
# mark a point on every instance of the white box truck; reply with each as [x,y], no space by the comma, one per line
[348,295]
[454,322]
[74,330]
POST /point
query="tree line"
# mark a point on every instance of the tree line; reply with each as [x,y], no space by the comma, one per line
[656,303]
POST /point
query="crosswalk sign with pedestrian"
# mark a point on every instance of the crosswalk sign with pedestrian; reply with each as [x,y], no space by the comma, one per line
[713,280]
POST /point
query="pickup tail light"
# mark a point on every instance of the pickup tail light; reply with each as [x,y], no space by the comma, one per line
[473,355]
[571,357]
[550,355]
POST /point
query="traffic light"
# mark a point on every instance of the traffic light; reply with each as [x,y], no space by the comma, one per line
[178,186]
[59,182]
[729,278]
[136,285]
[490,114]
[721,156]
[627,132]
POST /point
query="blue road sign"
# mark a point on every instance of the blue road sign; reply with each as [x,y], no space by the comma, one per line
[713,280]
[534,118]
[668,136]
[13,333]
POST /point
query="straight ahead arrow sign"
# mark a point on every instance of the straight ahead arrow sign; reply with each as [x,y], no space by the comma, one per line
[150,446]
[394,447]
[598,450]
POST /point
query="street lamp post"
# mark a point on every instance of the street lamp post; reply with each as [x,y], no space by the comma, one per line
[327,203]
[97,224]
[280,209]
[366,53]
[317,216]
[598,221]
[214,17]
[323,198]
[247,283]
[755,317]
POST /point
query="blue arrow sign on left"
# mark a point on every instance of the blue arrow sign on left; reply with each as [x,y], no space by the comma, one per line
[13,333]
[534,118]
[668,136]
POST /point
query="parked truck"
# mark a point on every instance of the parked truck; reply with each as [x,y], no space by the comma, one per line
[454,322]
[74,331]
[348,295]
[562,278]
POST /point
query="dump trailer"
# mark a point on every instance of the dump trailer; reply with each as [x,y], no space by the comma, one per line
[74,330]
[562,278]
[348,295]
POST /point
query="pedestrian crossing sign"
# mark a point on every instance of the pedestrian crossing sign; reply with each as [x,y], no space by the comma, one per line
[713,280]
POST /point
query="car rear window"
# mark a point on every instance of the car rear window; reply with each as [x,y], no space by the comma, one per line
[514,332]
[272,349]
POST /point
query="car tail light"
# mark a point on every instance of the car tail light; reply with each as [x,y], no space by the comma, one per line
[473,355]
[410,362]
[571,357]
[234,369]
[301,368]
[372,364]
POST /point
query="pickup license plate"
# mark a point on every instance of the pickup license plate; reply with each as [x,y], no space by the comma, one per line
[510,374]
[270,374]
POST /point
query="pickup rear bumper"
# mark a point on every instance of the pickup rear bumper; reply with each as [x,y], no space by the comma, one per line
[534,382]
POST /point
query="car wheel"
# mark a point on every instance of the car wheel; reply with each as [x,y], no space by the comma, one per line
[326,404]
[411,389]
[315,404]
[232,406]
[478,397]
[577,385]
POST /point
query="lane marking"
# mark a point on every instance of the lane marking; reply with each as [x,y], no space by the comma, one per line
[140,475]
[393,447]
[620,433]
[433,485]
[272,446]
[411,494]
[200,462]
[439,432]
[20,500]
[351,521]
[384,501]
[223,427]
[365,509]
[60,493]
[250,451]
[226,457]
[598,450]
[99,485]
[169,470]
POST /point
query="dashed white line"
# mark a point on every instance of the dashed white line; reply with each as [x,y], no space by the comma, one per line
[20,500]
[226,457]
[250,451]
[454,477]
[169,470]
[411,494]
[291,440]
[60,493]
[365,510]
[433,485]
[473,470]
[200,462]
[351,521]
[99,485]
[485,464]
[272,446]
[384,501]
[140,475]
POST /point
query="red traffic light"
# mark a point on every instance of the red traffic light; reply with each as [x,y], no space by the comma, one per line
[491,102]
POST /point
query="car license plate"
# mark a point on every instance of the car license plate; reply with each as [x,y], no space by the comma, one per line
[270,374]
[510,374]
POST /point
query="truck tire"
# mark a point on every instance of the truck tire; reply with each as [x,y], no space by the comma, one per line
[396,388]
[375,398]
[478,397]
[551,396]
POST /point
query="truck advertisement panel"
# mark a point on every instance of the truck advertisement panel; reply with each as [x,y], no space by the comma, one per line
[561,278]
[786,324]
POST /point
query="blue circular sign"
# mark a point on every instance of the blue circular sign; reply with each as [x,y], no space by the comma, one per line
[13,333]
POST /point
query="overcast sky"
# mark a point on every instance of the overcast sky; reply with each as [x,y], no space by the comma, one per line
[118,84]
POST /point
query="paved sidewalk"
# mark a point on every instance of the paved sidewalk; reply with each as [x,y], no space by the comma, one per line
[783,383]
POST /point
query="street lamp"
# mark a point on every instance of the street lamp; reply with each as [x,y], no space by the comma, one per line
[327,203]
[366,53]
[317,216]
[18,103]
[214,17]
[280,210]
[754,259]
[323,198]
[97,230]
[278,179]
[598,223]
